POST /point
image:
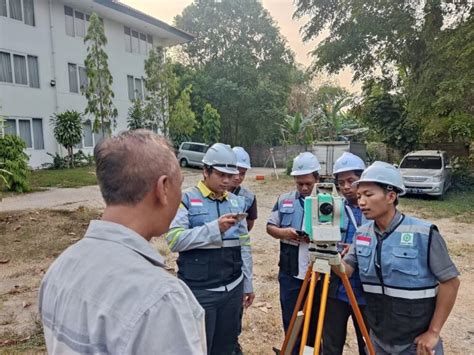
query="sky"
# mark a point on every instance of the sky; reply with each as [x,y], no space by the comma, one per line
[280,10]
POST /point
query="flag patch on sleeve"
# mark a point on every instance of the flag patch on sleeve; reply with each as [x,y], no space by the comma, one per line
[195,202]
[363,240]
[287,203]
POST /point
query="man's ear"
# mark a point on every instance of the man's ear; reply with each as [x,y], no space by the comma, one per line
[392,196]
[162,189]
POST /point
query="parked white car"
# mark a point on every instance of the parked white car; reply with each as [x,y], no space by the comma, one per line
[426,172]
[191,154]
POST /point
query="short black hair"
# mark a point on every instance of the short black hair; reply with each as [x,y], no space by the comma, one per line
[357,173]
[387,188]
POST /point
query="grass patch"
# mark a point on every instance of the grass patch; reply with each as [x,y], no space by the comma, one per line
[83,176]
[36,235]
[30,342]
[455,204]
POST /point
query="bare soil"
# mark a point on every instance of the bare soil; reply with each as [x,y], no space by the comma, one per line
[31,240]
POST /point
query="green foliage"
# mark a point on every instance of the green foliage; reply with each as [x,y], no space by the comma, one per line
[386,114]
[211,125]
[67,129]
[183,120]
[15,163]
[136,116]
[63,178]
[463,173]
[454,128]
[99,92]
[162,87]
[79,158]
[240,64]
[296,130]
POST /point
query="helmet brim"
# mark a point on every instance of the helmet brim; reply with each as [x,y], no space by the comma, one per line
[400,191]
[244,166]
[303,172]
[226,170]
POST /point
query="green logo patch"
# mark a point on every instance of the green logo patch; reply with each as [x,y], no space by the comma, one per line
[406,239]
[234,203]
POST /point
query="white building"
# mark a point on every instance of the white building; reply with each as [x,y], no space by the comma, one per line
[42,54]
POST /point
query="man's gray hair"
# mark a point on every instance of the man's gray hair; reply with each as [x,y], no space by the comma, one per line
[129,164]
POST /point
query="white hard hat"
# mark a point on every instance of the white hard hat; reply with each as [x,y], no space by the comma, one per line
[221,157]
[305,163]
[383,173]
[243,158]
[348,162]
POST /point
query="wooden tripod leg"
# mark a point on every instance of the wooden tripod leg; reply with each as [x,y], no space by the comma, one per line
[356,310]
[307,313]
[322,313]
[299,301]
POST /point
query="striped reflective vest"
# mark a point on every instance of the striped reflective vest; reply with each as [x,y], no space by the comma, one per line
[399,287]
[211,267]
[291,213]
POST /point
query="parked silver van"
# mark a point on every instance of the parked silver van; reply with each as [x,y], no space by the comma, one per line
[426,172]
[191,154]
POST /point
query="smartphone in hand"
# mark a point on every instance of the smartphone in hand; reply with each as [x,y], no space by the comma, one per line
[240,216]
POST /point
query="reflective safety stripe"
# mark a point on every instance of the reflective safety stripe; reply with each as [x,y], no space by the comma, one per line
[228,287]
[230,243]
[245,240]
[291,242]
[396,292]
[173,235]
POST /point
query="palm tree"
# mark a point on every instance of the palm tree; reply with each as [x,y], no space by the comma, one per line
[296,129]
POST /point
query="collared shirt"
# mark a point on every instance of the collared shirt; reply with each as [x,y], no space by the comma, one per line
[208,193]
[109,293]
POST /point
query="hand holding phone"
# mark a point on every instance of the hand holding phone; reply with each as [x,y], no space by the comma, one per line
[240,216]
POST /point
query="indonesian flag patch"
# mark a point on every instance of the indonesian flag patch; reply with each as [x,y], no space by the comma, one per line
[363,240]
[195,202]
[287,203]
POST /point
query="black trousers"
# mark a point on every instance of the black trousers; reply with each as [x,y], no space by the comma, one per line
[222,318]
[335,327]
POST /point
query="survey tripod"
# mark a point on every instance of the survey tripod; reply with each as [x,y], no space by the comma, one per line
[321,257]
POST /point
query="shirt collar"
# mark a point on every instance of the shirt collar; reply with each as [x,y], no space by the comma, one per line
[206,192]
[391,227]
[117,233]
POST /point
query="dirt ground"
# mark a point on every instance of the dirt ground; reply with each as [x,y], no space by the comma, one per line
[29,242]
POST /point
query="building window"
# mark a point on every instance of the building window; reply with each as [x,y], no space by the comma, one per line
[72,72]
[78,80]
[135,87]
[77,22]
[6,74]
[30,130]
[21,10]
[136,42]
[25,69]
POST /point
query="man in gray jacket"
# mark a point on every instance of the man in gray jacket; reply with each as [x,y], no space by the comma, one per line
[110,293]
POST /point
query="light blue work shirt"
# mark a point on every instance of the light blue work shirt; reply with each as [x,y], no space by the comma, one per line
[110,294]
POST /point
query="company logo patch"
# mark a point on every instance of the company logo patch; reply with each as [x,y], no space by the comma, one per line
[288,203]
[196,202]
[406,239]
[234,203]
[363,240]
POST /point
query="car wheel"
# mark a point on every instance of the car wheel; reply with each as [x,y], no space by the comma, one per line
[183,163]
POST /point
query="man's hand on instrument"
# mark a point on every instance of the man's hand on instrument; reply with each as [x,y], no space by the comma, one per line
[337,264]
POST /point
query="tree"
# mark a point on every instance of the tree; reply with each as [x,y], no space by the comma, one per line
[14,163]
[296,130]
[98,91]
[136,118]
[240,64]
[162,87]
[183,120]
[386,114]
[211,124]
[67,129]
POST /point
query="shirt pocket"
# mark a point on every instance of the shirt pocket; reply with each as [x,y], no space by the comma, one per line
[364,257]
[405,261]
[197,268]
[286,216]
[198,216]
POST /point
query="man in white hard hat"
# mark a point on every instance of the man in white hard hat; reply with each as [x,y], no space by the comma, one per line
[215,260]
[243,165]
[286,223]
[347,170]
[410,282]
